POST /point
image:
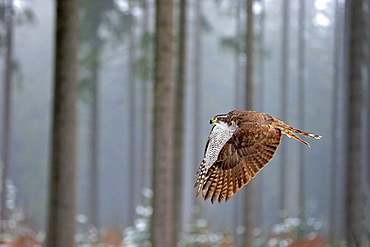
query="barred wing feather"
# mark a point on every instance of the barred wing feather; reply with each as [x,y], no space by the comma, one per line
[250,147]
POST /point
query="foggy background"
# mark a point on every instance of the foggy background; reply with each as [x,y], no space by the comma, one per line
[299,78]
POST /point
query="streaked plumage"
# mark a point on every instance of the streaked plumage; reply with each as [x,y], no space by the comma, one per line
[240,144]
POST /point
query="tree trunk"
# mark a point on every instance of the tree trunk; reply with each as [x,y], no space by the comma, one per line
[249,51]
[94,130]
[197,78]
[337,132]
[238,203]
[260,102]
[62,199]
[8,21]
[284,75]
[145,138]
[368,97]
[238,36]
[355,198]
[301,107]
[92,16]
[132,176]
[162,219]
[179,119]
[95,45]
[261,56]
[197,82]
[249,207]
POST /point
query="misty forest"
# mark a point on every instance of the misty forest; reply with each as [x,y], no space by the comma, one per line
[105,111]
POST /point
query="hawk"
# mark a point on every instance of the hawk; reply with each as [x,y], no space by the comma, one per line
[240,144]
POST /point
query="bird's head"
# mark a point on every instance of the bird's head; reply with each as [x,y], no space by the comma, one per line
[226,120]
[219,119]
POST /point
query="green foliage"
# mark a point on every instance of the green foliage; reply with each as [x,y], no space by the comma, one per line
[230,43]
[89,62]
[18,230]
[198,234]
[143,67]
[103,23]
[292,231]
[87,235]
[85,89]
[26,16]
[225,7]
[139,234]
[206,24]
[143,64]
[17,75]
[23,16]
[117,25]
[103,20]
[20,17]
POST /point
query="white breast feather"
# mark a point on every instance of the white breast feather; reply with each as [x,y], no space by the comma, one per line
[218,137]
[220,134]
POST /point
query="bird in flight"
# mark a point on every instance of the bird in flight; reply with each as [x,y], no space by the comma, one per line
[240,144]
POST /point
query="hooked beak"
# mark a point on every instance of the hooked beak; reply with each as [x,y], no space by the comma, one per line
[213,121]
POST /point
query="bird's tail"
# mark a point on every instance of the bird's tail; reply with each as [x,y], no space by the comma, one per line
[290,132]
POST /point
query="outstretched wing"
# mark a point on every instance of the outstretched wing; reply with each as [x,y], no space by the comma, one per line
[217,138]
[249,149]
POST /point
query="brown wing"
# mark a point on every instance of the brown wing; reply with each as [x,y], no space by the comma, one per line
[250,148]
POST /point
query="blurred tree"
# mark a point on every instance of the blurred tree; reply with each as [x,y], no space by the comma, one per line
[199,26]
[11,75]
[94,132]
[301,105]
[62,199]
[284,75]
[249,207]
[260,24]
[355,197]
[179,117]
[234,44]
[131,59]
[368,95]
[237,51]
[249,51]
[7,80]
[143,68]
[162,220]
[238,213]
[95,18]
[92,18]
[261,55]
[337,132]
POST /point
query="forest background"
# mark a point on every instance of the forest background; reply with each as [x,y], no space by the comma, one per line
[308,65]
